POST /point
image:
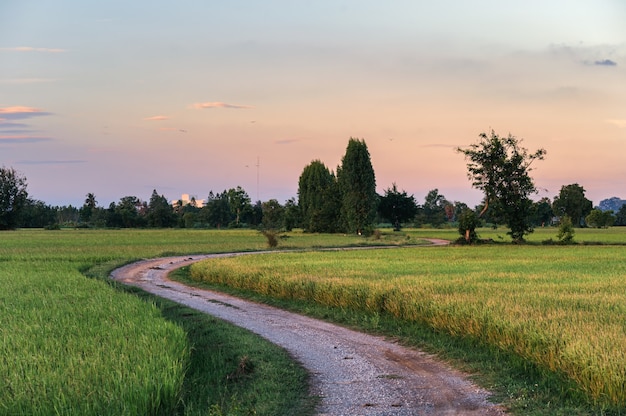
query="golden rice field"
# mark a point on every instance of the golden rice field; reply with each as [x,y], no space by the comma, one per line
[560,307]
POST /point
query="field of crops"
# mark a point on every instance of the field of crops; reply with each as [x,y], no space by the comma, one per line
[73,345]
[560,307]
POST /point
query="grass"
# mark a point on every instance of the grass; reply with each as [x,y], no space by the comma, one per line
[72,345]
[556,311]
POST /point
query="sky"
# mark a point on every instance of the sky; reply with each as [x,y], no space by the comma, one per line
[119,98]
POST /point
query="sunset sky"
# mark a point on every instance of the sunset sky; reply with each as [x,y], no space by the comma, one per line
[119,98]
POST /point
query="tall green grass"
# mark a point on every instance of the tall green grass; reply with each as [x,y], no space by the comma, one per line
[559,308]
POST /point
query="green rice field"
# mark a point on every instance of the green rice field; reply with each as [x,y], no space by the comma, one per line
[74,345]
[562,308]
[70,345]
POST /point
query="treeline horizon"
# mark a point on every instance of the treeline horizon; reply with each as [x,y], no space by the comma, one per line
[345,201]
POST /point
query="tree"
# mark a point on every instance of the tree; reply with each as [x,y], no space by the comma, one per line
[239,203]
[468,221]
[500,168]
[89,208]
[160,213]
[571,201]
[435,208]
[273,214]
[620,217]
[13,198]
[36,214]
[291,217]
[397,207]
[542,212]
[600,219]
[357,185]
[318,198]
[217,212]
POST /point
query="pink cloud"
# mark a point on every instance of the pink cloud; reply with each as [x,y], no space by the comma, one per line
[218,104]
[19,109]
[157,118]
[20,112]
[31,49]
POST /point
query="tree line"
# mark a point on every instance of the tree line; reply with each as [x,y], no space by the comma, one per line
[344,200]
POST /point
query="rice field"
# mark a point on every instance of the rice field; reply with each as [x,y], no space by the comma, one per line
[559,307]
[70,345]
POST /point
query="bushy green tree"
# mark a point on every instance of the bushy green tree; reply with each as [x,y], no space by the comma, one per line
[13,198]
[600,219]
[397,207]
[217,212]
[291,218]
[357,185]
[500,168]
[273,214]
[435,208]
[468,222]
[571,201]
[318,198]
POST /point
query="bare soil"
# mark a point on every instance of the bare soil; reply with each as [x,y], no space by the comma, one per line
[352,373]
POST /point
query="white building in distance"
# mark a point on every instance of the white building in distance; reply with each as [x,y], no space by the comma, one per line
[186,199]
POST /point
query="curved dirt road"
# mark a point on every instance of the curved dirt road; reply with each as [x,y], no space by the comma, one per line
[352,373]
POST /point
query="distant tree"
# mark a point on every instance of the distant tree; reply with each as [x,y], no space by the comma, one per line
[239,203]
[620,217]
[273,214]
[13,198]
[126,213]
[542,212]
[500,168]
[435,208]
[600,219]
[160,213]
[253,217]
[397,207]
[89,208]
[319,200]
[291,218]
[217,211]
[37,214]
[357,185]
[571,201]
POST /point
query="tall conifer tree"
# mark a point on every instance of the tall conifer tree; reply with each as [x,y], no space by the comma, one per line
[357,184]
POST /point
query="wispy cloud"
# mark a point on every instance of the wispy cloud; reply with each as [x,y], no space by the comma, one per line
[21,112]
[31,49]
[605,62]
[621,123]
[219,104]
[21,139]
[50,162]
[156,118]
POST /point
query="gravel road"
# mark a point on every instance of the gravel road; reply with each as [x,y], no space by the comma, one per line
[352,373]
